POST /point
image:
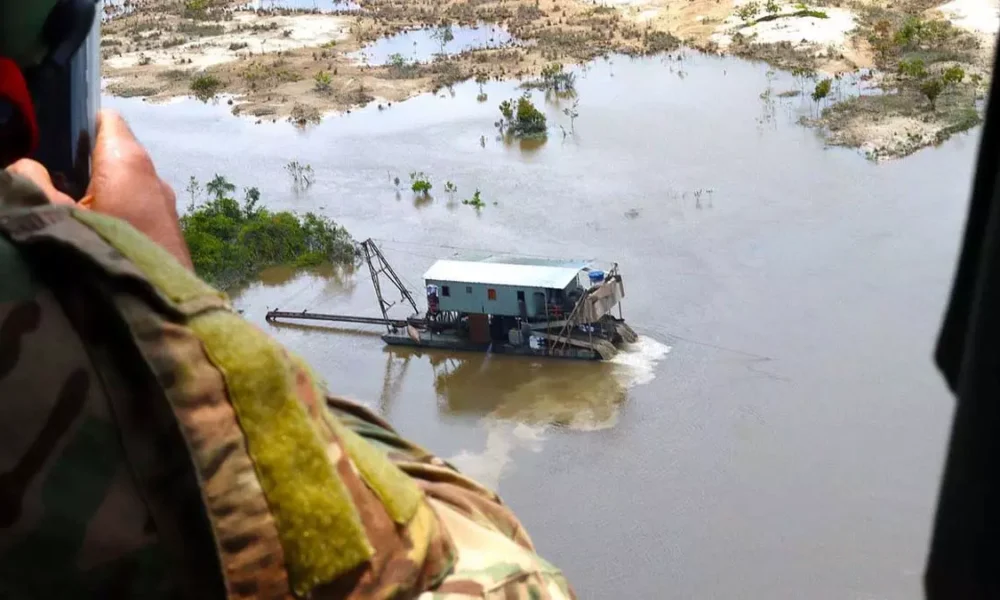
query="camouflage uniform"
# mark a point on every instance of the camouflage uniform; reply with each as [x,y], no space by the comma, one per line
[154,444]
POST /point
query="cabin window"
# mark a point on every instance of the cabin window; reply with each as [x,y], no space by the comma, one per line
[468,289]
[491,294]
[445,291]
[520,296]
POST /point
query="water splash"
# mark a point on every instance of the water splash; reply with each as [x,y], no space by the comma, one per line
[636,365]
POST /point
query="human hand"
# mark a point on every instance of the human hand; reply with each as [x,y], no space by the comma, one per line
[123,184]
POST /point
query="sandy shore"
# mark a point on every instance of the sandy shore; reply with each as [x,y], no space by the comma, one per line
[287,64]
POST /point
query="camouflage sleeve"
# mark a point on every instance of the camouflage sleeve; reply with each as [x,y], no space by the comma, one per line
[495,556]
[157,444]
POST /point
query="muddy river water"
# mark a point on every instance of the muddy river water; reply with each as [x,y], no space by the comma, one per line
[779,430]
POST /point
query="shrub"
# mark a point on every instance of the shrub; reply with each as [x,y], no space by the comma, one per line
[205,86]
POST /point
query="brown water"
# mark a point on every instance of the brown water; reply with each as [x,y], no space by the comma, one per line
[789,444]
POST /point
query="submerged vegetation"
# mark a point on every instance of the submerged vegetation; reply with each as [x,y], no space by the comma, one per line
[554,78]
[520,118]
[420,183]
[302,175]
[232,242]
[475,202]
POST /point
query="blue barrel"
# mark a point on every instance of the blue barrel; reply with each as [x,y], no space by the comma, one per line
[596,276]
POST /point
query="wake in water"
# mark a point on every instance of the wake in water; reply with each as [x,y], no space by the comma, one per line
[636,364]
[524,420]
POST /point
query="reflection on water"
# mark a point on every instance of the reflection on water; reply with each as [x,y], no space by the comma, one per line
[519,399]
[578,395]
[422,45]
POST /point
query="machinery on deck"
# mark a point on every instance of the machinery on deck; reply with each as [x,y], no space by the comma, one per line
[526,306]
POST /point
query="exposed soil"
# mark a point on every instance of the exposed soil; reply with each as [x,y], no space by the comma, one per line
[292,64]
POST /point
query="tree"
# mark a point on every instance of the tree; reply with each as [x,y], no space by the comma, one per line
[230,243]
[822,90]
[481,80]
[443,35]
[748,12]
[555,78]
[219,186]
[572,113]
[251,197]
[932,88]
[913,68]
[323,81]
[881,40]
[194,191]
[521,119]
[772,7]
[205,86]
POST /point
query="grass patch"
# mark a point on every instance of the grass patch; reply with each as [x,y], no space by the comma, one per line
[205,86]
[174,75]
[173,42]
[660,41]
[195,29]
[264,75]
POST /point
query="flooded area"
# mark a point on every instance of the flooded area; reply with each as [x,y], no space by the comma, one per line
[422,45]
[779,429]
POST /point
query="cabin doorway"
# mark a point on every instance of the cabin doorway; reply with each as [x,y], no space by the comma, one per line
[538,299]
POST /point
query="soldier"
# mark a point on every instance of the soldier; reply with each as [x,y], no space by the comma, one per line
[155,444]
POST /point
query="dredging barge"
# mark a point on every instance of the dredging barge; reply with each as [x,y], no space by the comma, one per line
[524,306]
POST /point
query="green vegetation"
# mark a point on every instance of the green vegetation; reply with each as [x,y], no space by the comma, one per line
[450,188]
[520,118]
[196,29]
[932,87]
[553,78]
[196,9]
[913,67]
[481,80]
[401,68]
[895,40]
[261,75]
[476,201]
[657,42]
[572,113]
[748,12]
[323,81]
[205,86]
[822,90]
[231,243]
[420,183]
[443,35]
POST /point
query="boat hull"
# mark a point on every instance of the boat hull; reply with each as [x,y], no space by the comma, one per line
[444,341]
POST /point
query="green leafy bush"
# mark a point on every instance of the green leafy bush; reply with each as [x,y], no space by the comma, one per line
[521,118]
[205,86]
